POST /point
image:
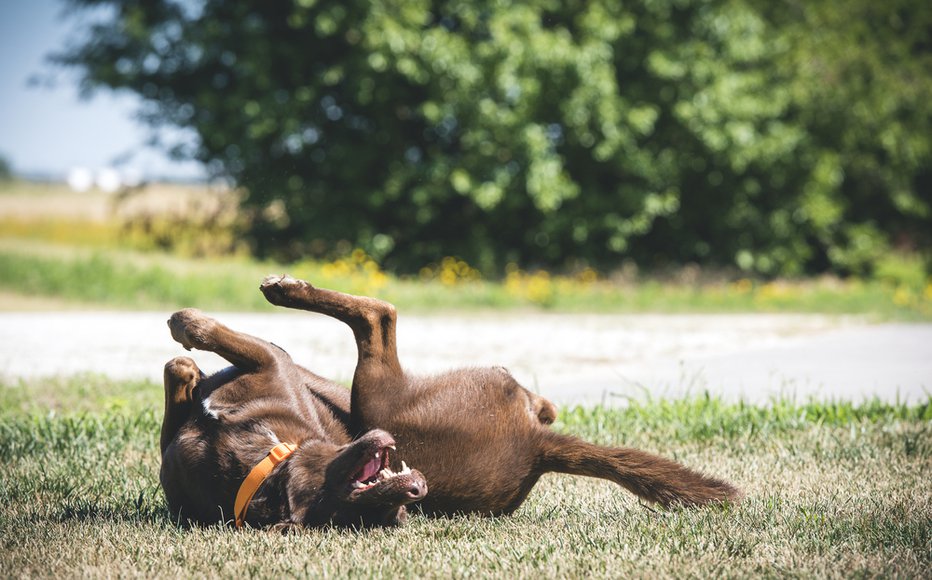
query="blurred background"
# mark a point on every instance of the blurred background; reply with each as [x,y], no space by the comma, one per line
[48,130]
[645,155]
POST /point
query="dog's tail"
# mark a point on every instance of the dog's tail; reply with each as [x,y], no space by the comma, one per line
[648,476]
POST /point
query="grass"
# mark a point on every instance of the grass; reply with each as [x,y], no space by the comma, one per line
[132,279]
[141,251]
[833,490]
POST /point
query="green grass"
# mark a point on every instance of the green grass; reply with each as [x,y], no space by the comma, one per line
[62,249]
[833,490]
[133,280]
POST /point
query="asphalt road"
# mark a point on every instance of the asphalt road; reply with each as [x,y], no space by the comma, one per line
[568,358]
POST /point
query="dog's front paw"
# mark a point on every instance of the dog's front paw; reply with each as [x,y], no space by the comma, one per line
[181,377]
[191,328]
[278,289]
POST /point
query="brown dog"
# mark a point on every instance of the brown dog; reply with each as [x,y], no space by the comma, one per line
[477,437]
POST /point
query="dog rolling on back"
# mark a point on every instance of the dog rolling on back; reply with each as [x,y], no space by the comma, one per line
[475,437]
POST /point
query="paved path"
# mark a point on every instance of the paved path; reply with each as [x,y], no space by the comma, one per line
[568,358]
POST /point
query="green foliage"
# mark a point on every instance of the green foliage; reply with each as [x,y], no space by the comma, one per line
[6,171]
[708,419]
[124,279]
[102,277]
[781,138]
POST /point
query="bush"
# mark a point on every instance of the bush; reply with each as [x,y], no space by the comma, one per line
[732,132]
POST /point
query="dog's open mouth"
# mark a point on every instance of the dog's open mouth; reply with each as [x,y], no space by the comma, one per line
[376,470]
[376,476]
[370,479]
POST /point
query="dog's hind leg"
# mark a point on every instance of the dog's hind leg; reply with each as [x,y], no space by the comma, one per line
[373,324]
[193,329]
[181,377]
[372,320]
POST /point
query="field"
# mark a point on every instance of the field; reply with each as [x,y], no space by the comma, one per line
[173,246]
[833,489]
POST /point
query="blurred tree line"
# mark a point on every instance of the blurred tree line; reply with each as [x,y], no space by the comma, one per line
[6,170]
[779,136]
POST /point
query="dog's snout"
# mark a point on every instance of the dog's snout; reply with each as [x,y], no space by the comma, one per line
[417,490]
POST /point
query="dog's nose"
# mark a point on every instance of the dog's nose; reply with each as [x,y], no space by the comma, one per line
[417,490]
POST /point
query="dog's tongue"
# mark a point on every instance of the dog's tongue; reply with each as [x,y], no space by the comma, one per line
[370,468]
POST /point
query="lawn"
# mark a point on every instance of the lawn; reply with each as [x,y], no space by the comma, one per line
[833,489]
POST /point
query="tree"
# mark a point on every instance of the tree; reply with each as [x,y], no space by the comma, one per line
[542,132]
[861,76]
[6,171]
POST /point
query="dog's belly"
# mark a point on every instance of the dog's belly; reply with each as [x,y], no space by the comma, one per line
[471,472]
[476,442]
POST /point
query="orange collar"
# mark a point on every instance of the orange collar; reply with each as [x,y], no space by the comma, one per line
[255,478]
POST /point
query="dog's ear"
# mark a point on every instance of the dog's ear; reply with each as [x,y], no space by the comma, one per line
[306,483]
[546,411]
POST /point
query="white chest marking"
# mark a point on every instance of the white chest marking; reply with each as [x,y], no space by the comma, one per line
[208,411]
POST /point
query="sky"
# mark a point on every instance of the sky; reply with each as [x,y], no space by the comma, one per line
[48,131]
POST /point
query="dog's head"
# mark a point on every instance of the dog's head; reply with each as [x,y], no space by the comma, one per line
[355,485]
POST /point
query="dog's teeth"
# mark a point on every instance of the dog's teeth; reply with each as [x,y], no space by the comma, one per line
[404,468]
[392,447]
[358,484]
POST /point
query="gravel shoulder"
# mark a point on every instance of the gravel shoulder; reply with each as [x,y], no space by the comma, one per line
[569,358]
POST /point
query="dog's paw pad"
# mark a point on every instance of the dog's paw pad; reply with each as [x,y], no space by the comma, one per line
[283,280]
[278,288]
[190,328]
[273,280]
[181,376]
[183,369]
